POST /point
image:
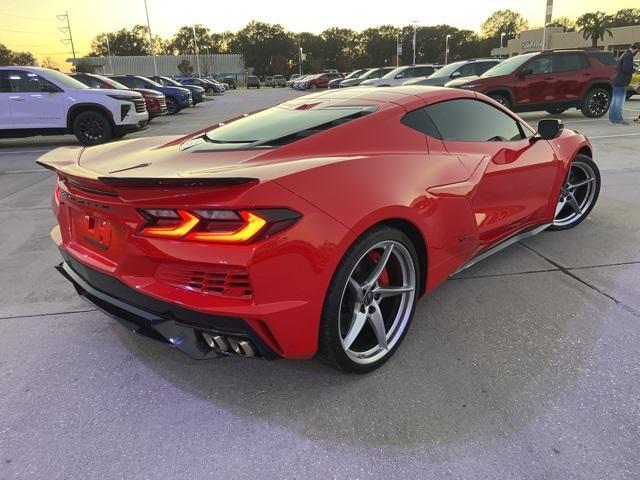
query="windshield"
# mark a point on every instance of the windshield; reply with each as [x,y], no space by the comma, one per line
[149,81]
[507,66]
[171,82]
[63,80]
[111,82]
[375,73]
[394,72]
[278,122]
[355,74]
[447,70]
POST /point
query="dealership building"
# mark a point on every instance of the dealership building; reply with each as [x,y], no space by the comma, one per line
[556,38]
[219,64]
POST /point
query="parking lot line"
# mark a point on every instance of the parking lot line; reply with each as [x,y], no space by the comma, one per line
[14,152]
[591,137]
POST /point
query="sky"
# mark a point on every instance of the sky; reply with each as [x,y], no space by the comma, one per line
[32,24]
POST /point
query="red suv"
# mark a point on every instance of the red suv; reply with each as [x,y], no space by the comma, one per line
[552,80]
[320,81]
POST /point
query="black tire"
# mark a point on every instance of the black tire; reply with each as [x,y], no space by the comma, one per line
[629,95]
[585,163]
[596,102]
[501,99]
[330,349]
[92,128]
[172,106]
[556,110]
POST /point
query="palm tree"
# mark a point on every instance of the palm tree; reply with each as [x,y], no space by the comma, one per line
[594,25]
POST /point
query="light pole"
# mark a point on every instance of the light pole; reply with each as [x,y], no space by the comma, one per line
[415,28]
[195,44]
[153,50]
[446,48]
[106,36]
[502,35]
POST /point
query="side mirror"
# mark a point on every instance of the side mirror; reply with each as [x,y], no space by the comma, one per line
[455,74]
[549,128]
[48,88]
[526,71]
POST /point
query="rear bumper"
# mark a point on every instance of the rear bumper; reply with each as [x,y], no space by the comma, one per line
[170,324]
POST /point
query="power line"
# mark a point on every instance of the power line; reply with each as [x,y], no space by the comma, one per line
[29,18]
[26,31]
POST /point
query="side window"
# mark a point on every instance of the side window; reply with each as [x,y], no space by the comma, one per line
[467,70]
[140,83]
[541,65]
[482,67]
[406,73]
[569,62]
[24,82]
[126,81]
[468,120]
[423,72]
[419,120]
[92,82]
[5,86]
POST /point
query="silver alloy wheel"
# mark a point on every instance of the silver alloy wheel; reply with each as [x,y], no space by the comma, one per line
[599,103]
[377,302]
[577,194]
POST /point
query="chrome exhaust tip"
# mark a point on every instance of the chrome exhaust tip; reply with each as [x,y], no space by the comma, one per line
[230,345]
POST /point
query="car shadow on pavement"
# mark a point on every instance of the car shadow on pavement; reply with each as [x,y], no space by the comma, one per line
[481,359]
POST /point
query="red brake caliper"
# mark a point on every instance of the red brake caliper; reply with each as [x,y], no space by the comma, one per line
[383,279]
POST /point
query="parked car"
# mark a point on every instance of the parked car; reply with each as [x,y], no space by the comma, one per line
[399,75]
[297,82]
[221,86]
[197,93]
[154,101]
[301,82]
[253,82]
[177,98]
[462,69]
[231,82]
[552,80]
[200,82]
[41,101]
[368,75]
[268,81]
[335,83]
[279,81]
[634,86]
[319,81]
[261,254]
[292,78]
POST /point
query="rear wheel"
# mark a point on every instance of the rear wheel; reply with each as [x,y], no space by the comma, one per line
[172,106]
[578,195]
[92,128]
[502,100]
[596,102]
[630,94]
[370,302]
[556,110]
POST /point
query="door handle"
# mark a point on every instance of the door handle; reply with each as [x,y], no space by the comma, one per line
[17,99]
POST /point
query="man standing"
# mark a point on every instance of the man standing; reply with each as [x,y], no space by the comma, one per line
[620,83]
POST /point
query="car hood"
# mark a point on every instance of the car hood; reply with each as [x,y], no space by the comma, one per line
[461,81]
[146,92]
[103,91]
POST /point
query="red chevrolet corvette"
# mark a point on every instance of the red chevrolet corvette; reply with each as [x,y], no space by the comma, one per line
[313,227]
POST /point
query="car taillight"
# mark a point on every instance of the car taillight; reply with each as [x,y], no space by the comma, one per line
[216,226]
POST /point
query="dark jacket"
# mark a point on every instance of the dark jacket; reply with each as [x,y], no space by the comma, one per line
[624,72]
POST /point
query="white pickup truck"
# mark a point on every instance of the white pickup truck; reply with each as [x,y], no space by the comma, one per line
[41,101]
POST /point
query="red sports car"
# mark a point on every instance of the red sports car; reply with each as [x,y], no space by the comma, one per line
[310,228]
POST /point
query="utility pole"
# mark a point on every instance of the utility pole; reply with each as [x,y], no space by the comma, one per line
[153,50]
[67,29]
[299,58]
[195,43]
[398,50]
[446,48]
[106,36]
[415,29]
[548,14]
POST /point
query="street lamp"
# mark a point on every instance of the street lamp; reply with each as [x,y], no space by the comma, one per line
[153,49]
[195,44]
[415,28]
[446,48]
[502,35]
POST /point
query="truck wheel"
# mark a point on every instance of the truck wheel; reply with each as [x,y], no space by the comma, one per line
[596,102]
[92,128]
[172,106]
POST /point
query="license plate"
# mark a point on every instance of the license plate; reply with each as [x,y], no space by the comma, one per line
[96,232]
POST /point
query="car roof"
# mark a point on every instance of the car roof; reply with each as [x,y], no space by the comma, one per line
[407,96]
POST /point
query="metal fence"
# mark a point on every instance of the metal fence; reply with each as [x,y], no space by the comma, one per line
[219,64]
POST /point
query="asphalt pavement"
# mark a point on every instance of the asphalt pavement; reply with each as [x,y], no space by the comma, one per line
[525,366]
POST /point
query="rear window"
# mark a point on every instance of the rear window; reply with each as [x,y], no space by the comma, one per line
[605,58]
[279,126]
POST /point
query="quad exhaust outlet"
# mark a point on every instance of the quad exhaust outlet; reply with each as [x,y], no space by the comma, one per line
[226,345]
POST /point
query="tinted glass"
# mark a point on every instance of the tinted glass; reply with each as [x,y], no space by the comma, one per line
[482,67]
[447,70]
[568,62]
[467,70]
[408,73]
[110,82]
[470,120]
[22,81]
[606,58]
[277,122]
[423,71]
[127,81]
[540,65]
[5,86]
[508,66]
[419,120]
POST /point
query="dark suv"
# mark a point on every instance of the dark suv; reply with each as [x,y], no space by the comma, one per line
[551,80]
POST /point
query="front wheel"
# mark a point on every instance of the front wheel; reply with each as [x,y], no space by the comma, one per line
[370,302]
[172,106]
[578,195]
[92,128]
[596,102]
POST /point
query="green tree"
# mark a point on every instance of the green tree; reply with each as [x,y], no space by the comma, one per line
[182,42]
[221,42]
[341,48]
[564,22]
[9,57]
[503,21]
[313,47]
[377,46]
[185,67]
[258,42]
[594,25]
[626,17]
[133,41]
[83,66]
